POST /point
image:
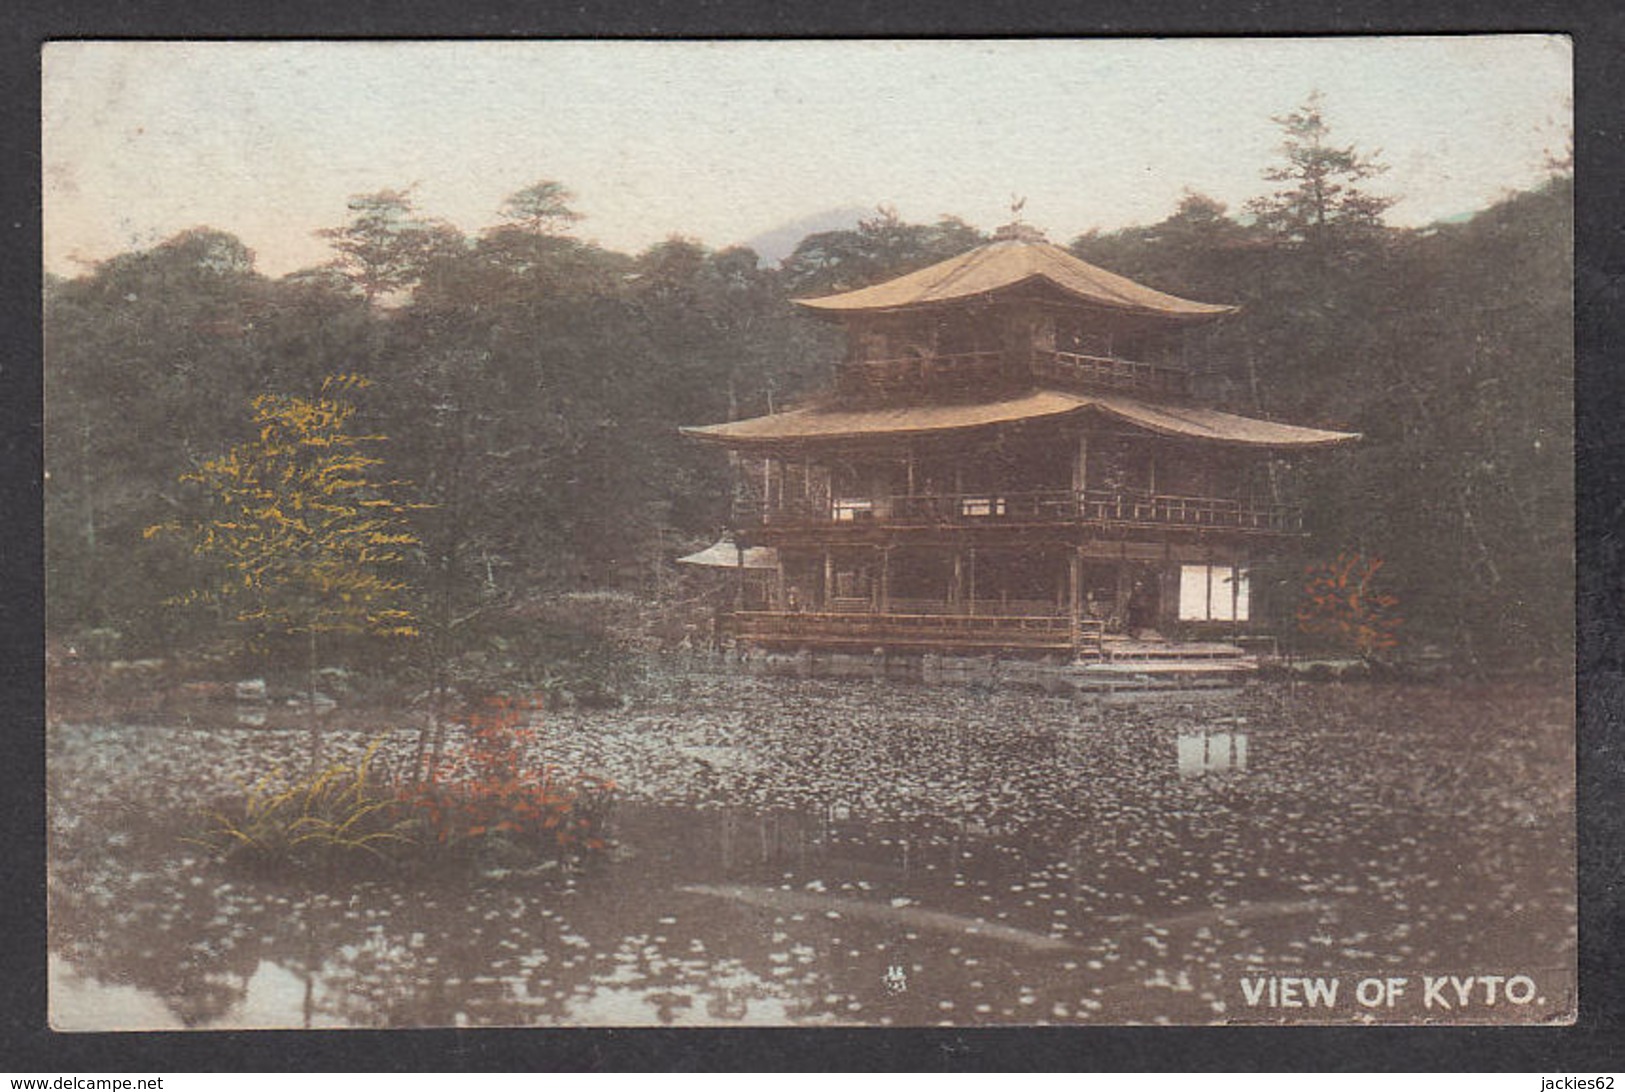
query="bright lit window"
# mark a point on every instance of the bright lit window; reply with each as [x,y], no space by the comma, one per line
[1213,593]
[848,510]
[981,506]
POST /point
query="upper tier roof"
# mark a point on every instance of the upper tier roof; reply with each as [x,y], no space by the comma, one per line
[1017,254]
[814,424]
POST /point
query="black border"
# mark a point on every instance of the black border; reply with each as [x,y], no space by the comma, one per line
[1596,1043]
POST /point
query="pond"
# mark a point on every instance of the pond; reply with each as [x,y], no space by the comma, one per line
[809,852]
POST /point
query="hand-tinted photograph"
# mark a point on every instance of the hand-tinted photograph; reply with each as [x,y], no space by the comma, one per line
[897,533]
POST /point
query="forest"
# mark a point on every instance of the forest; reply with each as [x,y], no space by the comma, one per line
[488,422]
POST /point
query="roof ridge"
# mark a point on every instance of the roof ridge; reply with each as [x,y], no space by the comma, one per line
[1004,262]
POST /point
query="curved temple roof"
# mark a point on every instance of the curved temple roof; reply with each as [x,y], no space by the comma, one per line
[1008,261]
[814,424]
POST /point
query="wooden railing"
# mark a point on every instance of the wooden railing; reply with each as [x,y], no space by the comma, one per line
[1062,506]
[923,371]
[1110,372]
[1100,506]
[994,367]
[895,630]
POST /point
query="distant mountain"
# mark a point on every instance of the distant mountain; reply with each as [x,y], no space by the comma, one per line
[776,244]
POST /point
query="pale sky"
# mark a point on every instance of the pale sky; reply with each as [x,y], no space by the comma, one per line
[721,141]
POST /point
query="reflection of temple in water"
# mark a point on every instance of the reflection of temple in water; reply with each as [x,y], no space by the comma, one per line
[1211,752]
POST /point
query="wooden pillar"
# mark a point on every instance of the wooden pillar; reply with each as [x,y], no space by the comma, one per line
[885,579]
[972,580]
[956,585]
[1075,584]
[829,580]
[1167,596]
[1235,598]
[1125,586]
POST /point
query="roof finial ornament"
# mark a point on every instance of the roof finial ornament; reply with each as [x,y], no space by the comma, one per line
[1016,229]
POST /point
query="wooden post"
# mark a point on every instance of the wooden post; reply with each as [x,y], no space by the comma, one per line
[1075,584]
[1125,586]
[956,585]
[973,580]
[829,579]
[872,571]
[1235,598]
[885,579]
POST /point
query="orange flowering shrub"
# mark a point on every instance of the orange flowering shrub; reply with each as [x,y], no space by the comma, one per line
[1341,603]
[490,786]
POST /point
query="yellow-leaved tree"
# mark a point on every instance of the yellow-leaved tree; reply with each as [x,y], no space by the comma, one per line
[302,537]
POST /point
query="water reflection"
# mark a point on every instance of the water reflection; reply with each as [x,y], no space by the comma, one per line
[1058,872]
[1210,752]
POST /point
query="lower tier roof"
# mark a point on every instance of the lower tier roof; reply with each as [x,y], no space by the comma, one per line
[812,424]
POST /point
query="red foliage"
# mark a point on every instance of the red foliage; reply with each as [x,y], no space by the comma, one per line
[1340,602]
[490,785]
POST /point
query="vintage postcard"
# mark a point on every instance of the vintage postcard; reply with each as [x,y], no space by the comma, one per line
[907,533]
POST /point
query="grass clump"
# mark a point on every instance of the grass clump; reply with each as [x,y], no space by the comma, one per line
[341,816]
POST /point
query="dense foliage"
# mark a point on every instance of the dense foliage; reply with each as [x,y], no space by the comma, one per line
[300,536]
[1450,349]
[488,801]
[532,383]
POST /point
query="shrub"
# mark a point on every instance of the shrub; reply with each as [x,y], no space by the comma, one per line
[342,815]
[1342,604]
[490,792]
[485,798]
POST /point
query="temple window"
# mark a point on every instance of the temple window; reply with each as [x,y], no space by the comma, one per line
[1213,593]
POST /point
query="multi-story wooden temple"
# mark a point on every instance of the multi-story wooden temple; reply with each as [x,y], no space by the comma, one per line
[1010,461]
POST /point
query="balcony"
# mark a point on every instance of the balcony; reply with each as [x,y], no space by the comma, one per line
[950,373]
[1090,507]
[942,373]
[1110,373]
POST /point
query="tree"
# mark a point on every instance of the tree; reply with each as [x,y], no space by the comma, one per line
[143,353]
[302,537]
[883,246]
[385,246]
[1323,201]
[542,208]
